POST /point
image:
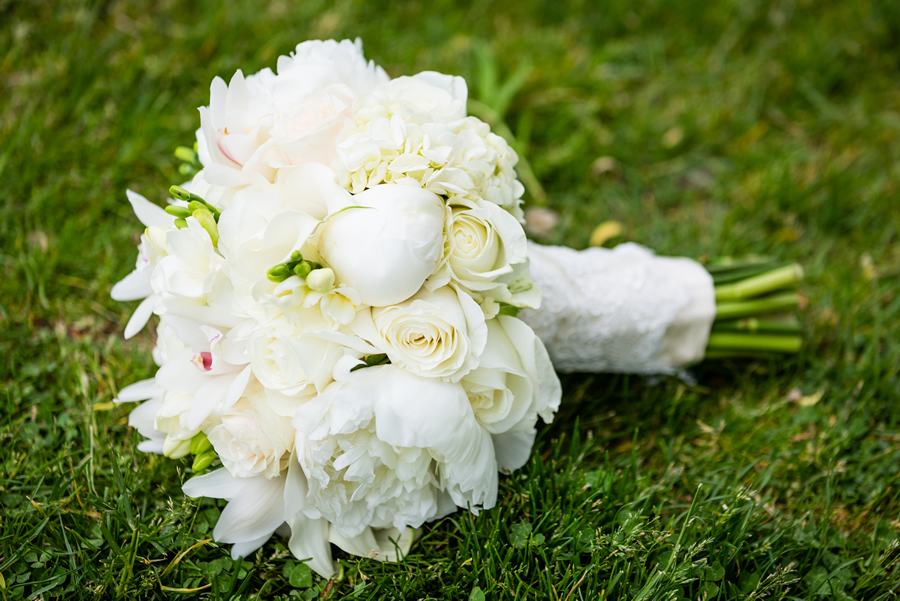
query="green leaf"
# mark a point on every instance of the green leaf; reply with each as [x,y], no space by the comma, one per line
[715,572]
[300,576]
[748,582]
[709,590]
[476,595]
[519,534]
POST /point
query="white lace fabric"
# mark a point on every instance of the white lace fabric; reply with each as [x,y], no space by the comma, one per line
[621,310]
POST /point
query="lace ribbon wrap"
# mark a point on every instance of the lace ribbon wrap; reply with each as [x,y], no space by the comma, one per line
[621,310]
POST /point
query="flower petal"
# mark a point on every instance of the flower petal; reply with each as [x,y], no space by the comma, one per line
[257,510]
[139,391]
[140,317]
[216,485]
[148,213]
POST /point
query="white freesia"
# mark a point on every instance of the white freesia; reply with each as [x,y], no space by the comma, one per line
[136,285]
[384,242]
[189,280]
[438,334]
[255,125]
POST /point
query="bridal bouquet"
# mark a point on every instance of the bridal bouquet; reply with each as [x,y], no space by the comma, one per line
[337,291]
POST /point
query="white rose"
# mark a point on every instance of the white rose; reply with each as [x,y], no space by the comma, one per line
[514,384]
[386,250]
[286,360]
[275,360]
[514,381]
[486,253]
[251,440]
[438,334]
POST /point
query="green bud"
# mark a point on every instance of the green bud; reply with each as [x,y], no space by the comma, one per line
[183,153]
[278,273]
[321,280]
[204,460]
[180,224]
[200,444]
[302,269]
[296,256]
[195,205]
[179,193]
[178,211]
[206,219]
[176,449]
[186,169]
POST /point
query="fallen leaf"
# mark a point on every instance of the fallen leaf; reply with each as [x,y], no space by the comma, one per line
[604,232]
[811,399]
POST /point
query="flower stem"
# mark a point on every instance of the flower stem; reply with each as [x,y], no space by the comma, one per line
[752,324]
[760,306]
[754,342]
[777,279]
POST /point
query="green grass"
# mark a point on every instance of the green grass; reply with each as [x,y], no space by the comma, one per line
[741,127]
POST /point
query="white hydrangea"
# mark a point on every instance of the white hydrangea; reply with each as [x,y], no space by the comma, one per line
[400,134]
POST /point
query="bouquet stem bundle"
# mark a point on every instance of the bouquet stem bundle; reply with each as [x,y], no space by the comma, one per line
[756,301]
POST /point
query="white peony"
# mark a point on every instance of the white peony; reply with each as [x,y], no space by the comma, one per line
[384,242]
[438,334]
[384,447]
[257,124]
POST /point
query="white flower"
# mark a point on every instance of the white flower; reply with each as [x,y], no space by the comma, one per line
[413,130]
[210,372]
[485,251]
[438,334]
[136,285]
[256,508]
[385,249]
[188,280]
[255,125]
[276,359]
[143,418]
[172,420]
[251,439]
[387,448]
[426,97]
[514,382]
[294,363]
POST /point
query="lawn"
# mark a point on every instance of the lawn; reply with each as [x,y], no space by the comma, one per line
[705,129]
